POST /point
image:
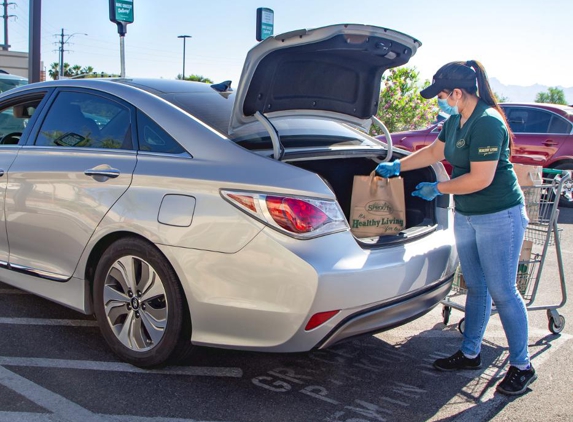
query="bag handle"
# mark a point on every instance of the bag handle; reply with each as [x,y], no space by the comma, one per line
[374,182]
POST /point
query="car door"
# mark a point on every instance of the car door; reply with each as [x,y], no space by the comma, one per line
[76,164]
[15,117]
[538,134]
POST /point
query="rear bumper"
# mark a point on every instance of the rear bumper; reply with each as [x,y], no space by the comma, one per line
[388,315]
[262,297]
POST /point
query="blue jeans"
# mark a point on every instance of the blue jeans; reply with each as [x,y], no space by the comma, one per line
[489,246]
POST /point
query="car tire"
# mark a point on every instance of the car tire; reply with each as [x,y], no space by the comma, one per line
[566,198]
[140,306]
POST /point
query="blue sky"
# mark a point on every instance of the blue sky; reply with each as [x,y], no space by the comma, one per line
[519,42]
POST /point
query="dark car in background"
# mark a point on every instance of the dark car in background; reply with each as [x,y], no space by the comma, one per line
[543,136]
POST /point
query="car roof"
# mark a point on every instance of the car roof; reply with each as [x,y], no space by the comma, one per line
[167,86]
[563,110]
[548,106]
[149,84]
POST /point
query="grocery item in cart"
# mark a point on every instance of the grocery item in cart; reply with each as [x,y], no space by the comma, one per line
[528,176]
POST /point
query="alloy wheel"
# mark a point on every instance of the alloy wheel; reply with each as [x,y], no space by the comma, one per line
[135,303]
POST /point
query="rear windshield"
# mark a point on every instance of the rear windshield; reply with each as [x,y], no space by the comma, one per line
[215,110]
[211,108]
[303,133]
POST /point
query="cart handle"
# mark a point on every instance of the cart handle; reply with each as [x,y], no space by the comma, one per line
[556,171]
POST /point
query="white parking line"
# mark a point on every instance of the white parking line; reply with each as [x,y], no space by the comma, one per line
[45,321]
[120,367]
[64,409]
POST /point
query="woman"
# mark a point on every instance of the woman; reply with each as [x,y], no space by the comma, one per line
[490,217]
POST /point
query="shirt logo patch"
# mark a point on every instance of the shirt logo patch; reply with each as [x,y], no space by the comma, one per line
[487,150]
[461,143]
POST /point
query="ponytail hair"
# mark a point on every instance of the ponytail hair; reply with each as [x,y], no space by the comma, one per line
[485,92]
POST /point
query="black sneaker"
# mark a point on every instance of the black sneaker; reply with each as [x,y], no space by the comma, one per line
[457,361]
[516,381]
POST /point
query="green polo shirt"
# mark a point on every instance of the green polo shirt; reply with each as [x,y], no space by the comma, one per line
[484,137]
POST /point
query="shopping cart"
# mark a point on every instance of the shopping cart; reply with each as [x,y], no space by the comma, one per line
[542,233]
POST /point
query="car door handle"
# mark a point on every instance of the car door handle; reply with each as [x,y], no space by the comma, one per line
[549,143]
[100,171]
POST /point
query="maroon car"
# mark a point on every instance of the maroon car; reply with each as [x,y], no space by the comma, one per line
[543,136]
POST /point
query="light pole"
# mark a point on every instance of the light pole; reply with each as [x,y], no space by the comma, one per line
[184,37]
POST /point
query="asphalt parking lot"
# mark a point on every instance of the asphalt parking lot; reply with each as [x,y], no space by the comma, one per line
[55,366]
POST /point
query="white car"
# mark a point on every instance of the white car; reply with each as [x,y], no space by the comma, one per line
[187,214]
[9,81]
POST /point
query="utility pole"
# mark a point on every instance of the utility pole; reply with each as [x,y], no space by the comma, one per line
[61,72]
[6,16]
[64,39]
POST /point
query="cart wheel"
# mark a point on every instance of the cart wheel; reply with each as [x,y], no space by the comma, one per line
[556,328]
[446,312]
[462,325]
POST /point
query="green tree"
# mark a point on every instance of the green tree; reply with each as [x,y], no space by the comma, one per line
[195,78]
[70,71]
[401,107]
[553,95]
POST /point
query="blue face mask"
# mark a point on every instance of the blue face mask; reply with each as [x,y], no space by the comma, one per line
[445,107]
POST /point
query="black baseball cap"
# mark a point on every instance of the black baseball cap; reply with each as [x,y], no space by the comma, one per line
[449,77]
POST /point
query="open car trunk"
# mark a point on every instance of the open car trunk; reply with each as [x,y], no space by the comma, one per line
[340,172]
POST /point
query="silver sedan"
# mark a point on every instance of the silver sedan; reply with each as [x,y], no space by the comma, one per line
[187,214]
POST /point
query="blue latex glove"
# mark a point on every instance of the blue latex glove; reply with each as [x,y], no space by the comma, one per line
[388,169]
[427,190]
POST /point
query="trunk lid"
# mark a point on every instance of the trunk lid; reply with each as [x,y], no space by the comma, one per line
[332,72]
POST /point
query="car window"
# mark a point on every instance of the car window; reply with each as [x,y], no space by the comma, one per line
[82,120]
[152,138]
[14,120]
[560,125]
[528,120]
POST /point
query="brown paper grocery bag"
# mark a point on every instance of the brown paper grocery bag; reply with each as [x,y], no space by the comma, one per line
[528,175]
[530,178]
[377,207]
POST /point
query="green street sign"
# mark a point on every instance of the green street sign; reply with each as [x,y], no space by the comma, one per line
[121,11]
[265,23]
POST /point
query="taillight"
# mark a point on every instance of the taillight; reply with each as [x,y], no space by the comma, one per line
[296,216]
[245,200]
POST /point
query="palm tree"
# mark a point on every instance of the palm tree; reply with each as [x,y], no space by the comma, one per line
[54,71]
[69,72]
